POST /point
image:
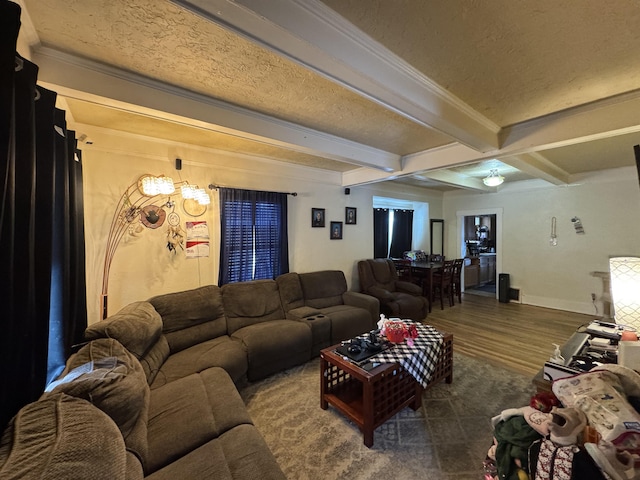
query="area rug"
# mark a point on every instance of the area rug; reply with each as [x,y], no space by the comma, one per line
[446,439]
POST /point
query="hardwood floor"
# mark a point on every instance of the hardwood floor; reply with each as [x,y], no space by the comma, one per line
[515,336]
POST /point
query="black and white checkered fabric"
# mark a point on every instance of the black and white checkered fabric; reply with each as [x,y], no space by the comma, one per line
[420,359]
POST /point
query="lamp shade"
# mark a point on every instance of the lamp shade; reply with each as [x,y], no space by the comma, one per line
[493,179]
[625,289]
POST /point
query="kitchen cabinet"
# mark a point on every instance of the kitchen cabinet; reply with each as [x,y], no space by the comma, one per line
[471,275]
[487,269]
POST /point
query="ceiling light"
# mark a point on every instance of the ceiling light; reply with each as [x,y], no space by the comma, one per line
[493,179]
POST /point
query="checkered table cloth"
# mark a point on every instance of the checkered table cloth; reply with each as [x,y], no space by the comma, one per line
[420,359]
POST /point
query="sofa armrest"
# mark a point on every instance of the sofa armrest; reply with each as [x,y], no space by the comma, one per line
[408,287]
[301,313]
[380,293]
[362,300]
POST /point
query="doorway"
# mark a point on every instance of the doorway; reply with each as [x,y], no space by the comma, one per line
[480,243]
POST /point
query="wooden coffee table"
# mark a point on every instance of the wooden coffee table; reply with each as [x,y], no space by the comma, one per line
[371,397]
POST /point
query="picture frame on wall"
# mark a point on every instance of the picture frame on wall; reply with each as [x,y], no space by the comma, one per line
[336,231]
[350,215]
[317,217]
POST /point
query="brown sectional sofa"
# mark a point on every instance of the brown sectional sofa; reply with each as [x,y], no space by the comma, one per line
[153,392]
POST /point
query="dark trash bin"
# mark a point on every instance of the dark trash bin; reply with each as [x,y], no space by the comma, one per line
[503,288]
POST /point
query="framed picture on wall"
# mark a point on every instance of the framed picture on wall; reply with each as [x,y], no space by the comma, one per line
[317,217]
[350,215]
[336,231]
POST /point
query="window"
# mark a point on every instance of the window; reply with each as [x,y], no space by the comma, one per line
[392,232]
[254,239]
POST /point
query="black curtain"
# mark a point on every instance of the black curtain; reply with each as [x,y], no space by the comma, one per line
[254,240]
[41,229]
[402,233]
[380,233]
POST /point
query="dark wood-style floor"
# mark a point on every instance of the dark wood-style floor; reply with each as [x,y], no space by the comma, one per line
[518,337]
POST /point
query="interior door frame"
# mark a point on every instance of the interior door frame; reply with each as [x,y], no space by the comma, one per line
[498,212]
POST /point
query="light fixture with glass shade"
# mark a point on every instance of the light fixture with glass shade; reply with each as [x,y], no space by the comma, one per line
[493,179]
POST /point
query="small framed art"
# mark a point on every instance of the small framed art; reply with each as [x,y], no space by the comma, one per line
[350,215]
[336,231]
[317,217]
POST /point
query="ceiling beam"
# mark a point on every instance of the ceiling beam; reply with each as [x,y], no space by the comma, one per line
[536,165]
[421,162]
[87,80]
[313,35]
[601,119]
[455,179]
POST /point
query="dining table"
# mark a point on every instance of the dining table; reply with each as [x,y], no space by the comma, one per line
[424,270]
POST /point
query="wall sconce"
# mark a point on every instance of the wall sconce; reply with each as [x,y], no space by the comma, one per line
[625,290]
[493,179]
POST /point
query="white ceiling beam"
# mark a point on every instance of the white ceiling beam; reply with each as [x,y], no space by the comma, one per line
[313,35]
[427,161]
[601,119]
[87,80]
[538,166]
[454,179]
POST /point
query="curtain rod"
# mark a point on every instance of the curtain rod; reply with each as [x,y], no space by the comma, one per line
[216,187]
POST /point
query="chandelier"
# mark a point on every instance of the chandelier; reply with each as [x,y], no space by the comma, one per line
[493,179]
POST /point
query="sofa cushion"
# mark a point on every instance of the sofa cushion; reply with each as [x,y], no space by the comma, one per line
[137,326]
[63,437]
[249,303]
[290,291]
[194,409]
[275,346]
[324,288]
[104,373]
[238,454]
[191,316]
[348,322]
[221,352]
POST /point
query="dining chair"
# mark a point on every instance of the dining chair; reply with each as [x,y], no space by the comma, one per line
[443,283]
[403,269]
[458,265]
[436,258]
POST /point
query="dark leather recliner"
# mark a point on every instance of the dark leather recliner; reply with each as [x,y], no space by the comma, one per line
[378,278]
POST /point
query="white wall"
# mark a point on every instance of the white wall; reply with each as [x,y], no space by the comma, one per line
[557,277]
[607,203]
[143,266]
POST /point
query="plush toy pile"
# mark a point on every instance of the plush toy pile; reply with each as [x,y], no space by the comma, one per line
[588,428]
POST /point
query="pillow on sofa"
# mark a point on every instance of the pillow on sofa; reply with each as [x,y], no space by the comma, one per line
[111,378]
[137,326]
[63,437]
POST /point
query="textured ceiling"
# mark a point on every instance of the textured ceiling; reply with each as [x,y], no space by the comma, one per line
[511,61]
[422,91]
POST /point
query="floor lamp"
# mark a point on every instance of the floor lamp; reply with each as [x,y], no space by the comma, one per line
[625,290]
[145,191]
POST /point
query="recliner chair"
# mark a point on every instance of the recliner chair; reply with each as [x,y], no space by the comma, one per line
[378,278]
